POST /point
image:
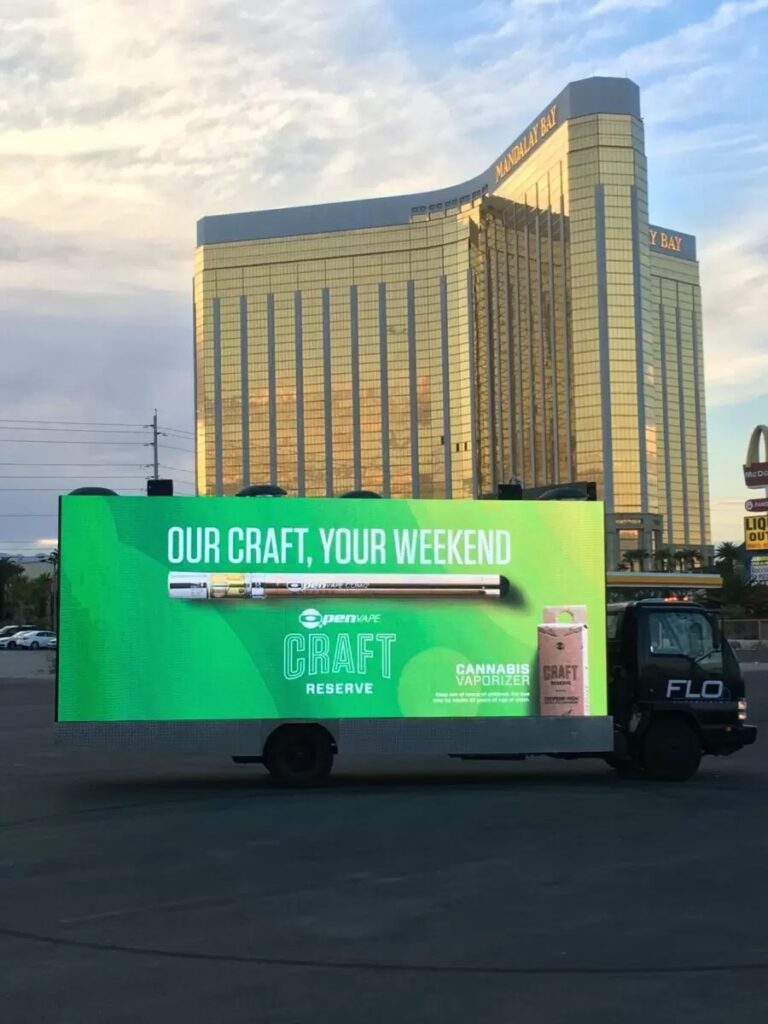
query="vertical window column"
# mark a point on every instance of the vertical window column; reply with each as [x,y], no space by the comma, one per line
[566,343]
[639,349]
[605,362]
[472,375]
[328,388]
[355,363]
[681,401]
[383,363]
[698,390]
[217,424]
[413,384]
[445,358]
[665,419]
[272,386]
[553,352]
[299,341]
[244,391]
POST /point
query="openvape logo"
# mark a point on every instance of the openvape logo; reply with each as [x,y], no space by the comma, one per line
[311,618]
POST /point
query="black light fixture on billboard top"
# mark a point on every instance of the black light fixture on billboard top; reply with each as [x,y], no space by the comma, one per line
[160,488]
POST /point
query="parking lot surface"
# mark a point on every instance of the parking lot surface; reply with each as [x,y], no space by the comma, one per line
[136,888]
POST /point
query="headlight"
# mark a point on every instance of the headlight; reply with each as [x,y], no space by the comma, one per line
[742,709]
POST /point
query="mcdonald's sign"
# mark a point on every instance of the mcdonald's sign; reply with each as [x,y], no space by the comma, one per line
[756,472]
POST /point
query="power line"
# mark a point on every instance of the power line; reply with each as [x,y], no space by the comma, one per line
[73,476]
[61,490]
[44,440]
[87,465]
[28,515]
[76,423]
[72,430]
[174,430]
[173,469]
[169,447]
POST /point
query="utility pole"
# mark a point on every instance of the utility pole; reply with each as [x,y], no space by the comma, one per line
[155,448]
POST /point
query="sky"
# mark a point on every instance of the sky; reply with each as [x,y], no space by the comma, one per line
[124,121]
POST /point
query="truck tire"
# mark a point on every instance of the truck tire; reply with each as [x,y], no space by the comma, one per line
[299,755]
[670,750]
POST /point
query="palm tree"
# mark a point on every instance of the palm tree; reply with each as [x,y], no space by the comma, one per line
[9,570]
[53,557]
[726,557]
[692,556]
[679,559]
[631,556]
[664,559]
[642,554]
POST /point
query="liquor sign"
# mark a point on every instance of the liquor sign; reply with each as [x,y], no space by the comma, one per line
[756,533]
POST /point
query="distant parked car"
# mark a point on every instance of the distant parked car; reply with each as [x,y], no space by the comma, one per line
[11,640]
[36,638]
[8,631]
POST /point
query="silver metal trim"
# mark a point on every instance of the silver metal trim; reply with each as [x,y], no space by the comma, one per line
[359,736]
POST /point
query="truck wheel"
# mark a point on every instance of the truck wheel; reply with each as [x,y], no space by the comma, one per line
[670,750]
[299,755]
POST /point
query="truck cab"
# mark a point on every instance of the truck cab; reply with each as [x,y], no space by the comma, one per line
[675,688]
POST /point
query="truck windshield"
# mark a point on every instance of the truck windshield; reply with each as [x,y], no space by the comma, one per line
[614,618]
[689,634]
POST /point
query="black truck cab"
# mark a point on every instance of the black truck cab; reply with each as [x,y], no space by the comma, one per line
[675,688]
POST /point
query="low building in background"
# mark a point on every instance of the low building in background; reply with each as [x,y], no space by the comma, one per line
[528,324]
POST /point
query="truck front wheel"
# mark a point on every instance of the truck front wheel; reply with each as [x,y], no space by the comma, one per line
[670,750]
[299,755]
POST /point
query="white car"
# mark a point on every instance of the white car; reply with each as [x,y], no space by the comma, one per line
[36,638]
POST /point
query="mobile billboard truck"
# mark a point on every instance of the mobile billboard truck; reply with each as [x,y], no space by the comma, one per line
[285,631]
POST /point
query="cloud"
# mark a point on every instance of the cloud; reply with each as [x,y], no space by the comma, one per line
[611,6]
[734,278]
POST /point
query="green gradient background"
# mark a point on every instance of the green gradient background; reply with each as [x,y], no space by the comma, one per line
[127,652]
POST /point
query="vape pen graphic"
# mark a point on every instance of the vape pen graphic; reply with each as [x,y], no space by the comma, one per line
[203,586]
[563,665]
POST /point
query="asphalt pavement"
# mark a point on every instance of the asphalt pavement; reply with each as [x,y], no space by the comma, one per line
[161,888]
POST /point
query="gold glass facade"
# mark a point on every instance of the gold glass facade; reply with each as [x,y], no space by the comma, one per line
[683,471]
[528,324]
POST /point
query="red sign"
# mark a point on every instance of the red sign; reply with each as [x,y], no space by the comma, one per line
[756,474]
[756,505]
